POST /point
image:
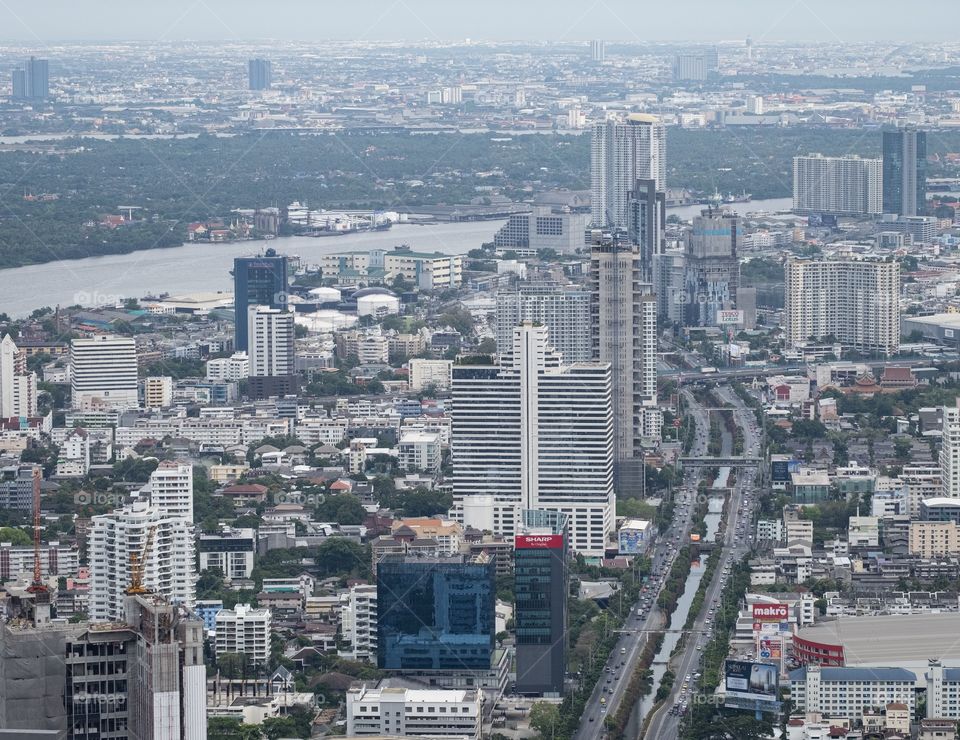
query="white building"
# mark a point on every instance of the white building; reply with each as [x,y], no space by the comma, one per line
[864,531]
[921,482]
[950,453]
[170,489]
[246,630]
[157,392]
[564,311]
[230,550]
[358,623]
[420,713]
[169,565]
[18,388]
[845,691]
[74,456]
[842,186]
[271,342]
[621,153]
[536,434]
[423,373]
[104,373]
[233,368]
[420,451]
[856,301]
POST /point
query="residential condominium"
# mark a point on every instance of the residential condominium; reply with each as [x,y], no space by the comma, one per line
[246,630]
[950,452]
[18,387]
[565,311]
[841,186]
[272,359]
[103,372]
[170,489]
[532,433]
[856,302]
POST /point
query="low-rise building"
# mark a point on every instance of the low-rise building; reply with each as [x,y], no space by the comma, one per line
[845,692]
[933,539]
[403,712]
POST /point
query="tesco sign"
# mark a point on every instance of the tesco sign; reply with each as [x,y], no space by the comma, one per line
[539,541]
[770,612]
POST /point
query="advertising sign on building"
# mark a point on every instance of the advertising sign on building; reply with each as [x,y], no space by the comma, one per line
[539,542]
[770,613]
[729,318]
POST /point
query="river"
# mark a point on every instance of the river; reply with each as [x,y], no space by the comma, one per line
[194,268]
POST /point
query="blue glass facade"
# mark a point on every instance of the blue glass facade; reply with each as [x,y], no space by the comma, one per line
[435,613]
[257,281]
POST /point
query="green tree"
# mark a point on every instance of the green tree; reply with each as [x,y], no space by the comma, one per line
[17,537]
[228,728]
[544,718]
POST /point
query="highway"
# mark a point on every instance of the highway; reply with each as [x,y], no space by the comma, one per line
[665,722]
[623,658]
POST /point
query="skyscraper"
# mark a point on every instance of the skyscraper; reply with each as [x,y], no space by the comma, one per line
[257,281]
[272,364]
[103,373]
[646,219]
[854,301]
[260,74]
[19,80]
[621,153]
[533,433]
[38,79]
[712,270]
[18,388]
[842,186]
[905,172]
[950,452]
[541,582]
[565,311]
[623,322]
[598,51]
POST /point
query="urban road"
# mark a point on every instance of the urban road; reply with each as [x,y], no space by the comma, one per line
[665,721]
[609,692]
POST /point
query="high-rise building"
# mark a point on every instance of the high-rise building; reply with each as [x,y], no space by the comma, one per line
[541,584]
[272,361]
[358,623]
[19,82]
[38,79]
[257,281]
[712,269]
[905,172]
[170,489]
[533,433]
[168,570]
[259,74]
[598,51]
[623,323]
[669,274]
[18,387]
[103,373]
[950,453]
[565,311]
[435,613]
[545,227]
[856,302]
[646,220]
[841,186]
[141,677]
[621,153]
[245,630]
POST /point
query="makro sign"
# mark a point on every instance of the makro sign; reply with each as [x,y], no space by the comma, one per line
[770,612]
[539,541]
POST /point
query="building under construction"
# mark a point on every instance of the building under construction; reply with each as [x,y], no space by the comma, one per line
[142,679]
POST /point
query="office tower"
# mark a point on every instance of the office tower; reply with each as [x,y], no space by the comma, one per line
[905,172]
[841,186]
[18,388]
[168,567]
[37,79]
[257,281]
[712,268]
[272,366]
[259,74]
[541,584]
[170,489]
[621,153]
[19,80]
[533,433]
[565,311]
[623,323]
[103,373]
[854,302]
[435,613]
[669,273]
[598,51]
[646,220]
[142,677]
[245,630]
[950,452]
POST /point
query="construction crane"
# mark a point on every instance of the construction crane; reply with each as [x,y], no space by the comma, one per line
[138,563]
[37,586]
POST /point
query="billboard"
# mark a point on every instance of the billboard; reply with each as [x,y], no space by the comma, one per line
[751,685]
[770,613]
[539,542]
[780,470]
[771,648]
[631,540]
[729,318]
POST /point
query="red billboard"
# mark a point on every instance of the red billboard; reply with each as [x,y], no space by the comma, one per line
[539,541]
[770,612]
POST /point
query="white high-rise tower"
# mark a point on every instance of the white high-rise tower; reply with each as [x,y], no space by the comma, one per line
[104,373]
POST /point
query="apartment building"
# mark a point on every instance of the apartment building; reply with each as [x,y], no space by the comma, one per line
[246,630]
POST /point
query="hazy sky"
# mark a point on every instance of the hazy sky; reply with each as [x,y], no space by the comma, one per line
[45,21]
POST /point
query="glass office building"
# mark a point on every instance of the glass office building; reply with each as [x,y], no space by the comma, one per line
[257,281]
[905,172]
[435,613]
